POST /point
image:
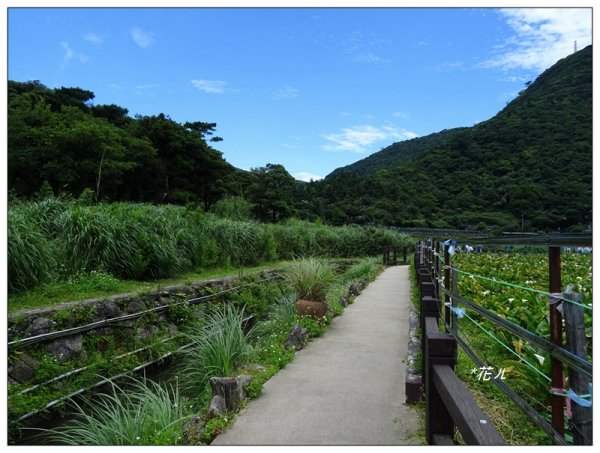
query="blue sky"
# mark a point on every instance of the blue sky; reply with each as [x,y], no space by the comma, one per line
[310,88]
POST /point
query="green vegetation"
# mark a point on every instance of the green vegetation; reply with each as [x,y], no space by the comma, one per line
[310,277]
[527,168]
[98,284]
[396,154]
[527,368]
[220,345]
[142,413]
[57,240]
[227,340]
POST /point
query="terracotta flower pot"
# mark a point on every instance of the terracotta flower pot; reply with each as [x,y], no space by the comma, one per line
[316,309]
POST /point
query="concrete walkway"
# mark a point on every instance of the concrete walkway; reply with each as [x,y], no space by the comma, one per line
[344,388]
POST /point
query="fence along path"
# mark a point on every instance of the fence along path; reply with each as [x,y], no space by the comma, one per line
[437,280]
[345,388]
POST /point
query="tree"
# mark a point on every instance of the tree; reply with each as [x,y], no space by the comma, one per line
[272,193]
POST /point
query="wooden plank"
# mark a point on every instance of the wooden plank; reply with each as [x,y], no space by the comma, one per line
[439,344]
[438,348]
[430,306]
[470,420]
[556,367]
[582,418]
[426,289]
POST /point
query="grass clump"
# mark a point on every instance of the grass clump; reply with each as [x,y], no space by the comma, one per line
[220,346]
[143,413]
[310,277]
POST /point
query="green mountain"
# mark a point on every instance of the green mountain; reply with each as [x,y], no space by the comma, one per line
[396,154]
[527,168]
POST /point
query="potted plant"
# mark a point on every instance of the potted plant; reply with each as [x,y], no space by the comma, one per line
[311,278]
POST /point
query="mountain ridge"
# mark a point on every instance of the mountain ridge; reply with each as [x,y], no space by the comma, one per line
[528,167]
[396,153]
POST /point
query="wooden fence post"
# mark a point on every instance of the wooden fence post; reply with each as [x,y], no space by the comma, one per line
[582,417]
[437,271]
[439,348]
[447,316]
[454,322]
[558,382]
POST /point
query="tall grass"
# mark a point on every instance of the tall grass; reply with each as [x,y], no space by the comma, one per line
[144,413]
[220,346]
[32,256]
[55,237]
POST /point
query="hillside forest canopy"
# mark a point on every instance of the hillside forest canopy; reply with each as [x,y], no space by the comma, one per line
[529,168]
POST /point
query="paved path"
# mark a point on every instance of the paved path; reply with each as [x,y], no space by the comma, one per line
[344,388]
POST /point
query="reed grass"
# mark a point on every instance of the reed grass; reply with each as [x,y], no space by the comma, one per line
[220,346]
[51,239]
[143,413]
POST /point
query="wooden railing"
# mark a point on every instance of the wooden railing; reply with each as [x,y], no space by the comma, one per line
[392,254]
[449,404]
[437,283]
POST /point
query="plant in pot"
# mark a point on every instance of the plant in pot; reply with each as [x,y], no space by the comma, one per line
[311,278]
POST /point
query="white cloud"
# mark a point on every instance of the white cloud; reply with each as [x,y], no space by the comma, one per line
[307,177]
[210,86]
[286,93]
[542,37]
[449,66]
[146,86]
[142,38]
[400,115]
[93,38]
[70,54]
[357,139]
[288,146]
[369,57]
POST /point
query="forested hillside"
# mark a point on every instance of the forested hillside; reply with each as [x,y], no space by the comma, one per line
[396,153]
[529,167]
[59,142]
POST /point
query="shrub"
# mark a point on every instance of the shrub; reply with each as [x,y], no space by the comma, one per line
[310,277]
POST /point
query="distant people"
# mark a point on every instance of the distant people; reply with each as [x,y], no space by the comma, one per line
[468,248]
[479,248]
[458,249]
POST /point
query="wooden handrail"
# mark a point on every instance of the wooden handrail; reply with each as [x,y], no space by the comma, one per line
[474,426]
[449,402]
